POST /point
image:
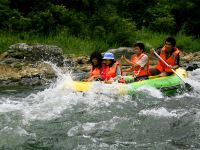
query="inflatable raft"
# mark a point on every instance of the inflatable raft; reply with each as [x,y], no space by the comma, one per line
[168,85]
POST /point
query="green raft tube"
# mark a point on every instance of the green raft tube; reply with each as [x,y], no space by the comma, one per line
[169,85]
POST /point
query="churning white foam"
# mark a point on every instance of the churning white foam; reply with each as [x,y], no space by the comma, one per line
[60,96]
[162,112]
[88,127]
[151,91]
[8,105]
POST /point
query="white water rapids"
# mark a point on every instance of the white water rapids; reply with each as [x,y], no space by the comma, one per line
[98,121]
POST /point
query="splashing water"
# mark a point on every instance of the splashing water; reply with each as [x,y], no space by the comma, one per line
[58,117]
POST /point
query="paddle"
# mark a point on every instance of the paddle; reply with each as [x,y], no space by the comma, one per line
[187,85]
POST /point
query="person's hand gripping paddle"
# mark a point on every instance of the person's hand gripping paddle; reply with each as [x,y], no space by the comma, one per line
[187,85]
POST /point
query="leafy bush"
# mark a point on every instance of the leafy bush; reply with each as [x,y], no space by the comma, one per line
[112,28]
[163,24]
[99,32]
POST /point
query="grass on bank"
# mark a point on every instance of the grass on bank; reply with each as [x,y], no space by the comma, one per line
[78,46]
[69,44]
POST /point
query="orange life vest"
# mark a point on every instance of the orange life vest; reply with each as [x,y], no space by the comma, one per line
[94,72]
[139,71]
[170,61]
[109,72]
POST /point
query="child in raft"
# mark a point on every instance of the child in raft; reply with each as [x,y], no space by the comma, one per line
[139,64]
[110,70]
[95,68]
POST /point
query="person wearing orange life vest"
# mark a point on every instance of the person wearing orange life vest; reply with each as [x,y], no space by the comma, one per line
[110,68]
[170,54]
[95,68]
[139,63]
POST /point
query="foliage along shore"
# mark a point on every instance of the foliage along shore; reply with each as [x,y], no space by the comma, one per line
[116,21]
[84,46]
[81,26]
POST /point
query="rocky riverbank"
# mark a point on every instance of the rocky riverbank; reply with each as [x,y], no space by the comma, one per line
[24,64]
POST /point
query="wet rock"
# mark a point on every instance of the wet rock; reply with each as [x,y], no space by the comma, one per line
[4,55]
[188,57]
[31,81]
[30,71]
[83,60]
[192,66]
[37,52]
[9,82]
[24,63]
[70,60]
[9,60]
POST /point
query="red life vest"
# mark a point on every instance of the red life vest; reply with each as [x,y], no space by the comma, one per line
[139,71]
[94,72]
[170,61]
[109,72]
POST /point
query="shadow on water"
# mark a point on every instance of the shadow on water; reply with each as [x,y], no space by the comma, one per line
[20,91]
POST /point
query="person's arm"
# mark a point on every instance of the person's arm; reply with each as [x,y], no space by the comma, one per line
[152,52]
[152,56]
[129,62]
[141,63]
[86,78]
[127,70]
[177,63]
[118,71]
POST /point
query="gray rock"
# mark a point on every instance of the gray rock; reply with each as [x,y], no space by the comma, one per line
[8,60]
[127,51]
[36,52]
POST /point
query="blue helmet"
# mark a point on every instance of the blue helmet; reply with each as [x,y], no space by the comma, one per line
[108,55]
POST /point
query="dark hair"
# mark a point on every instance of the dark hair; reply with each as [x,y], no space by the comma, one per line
[112,62]
[140,45]
[171,40]
[98,56]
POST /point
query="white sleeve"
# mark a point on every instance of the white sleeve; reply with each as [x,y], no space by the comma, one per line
[143,61]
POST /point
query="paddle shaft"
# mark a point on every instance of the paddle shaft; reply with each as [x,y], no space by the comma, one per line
[169,67]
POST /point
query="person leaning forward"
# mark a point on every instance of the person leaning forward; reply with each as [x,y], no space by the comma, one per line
[170,54]
[139,63]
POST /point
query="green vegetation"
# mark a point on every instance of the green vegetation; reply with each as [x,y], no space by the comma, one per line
[74,45]
[84,25]
[69,44]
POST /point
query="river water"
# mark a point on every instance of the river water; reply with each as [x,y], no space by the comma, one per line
[55,118]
